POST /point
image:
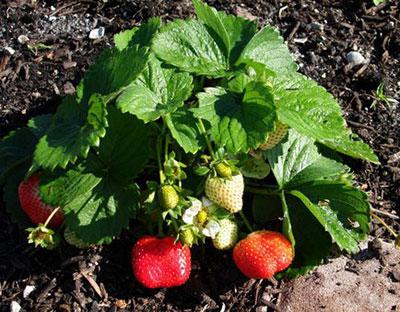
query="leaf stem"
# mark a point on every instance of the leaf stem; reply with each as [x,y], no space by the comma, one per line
[51,216]
[384,224]
[160,226]
[166,146]
[259,191]
[246,222]
[204,133]
[158,151]
[175,225]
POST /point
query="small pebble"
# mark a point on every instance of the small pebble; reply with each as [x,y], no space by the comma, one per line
[355,58]
[15,307]
[97,33]
[300,40]
[27,291]
[22,39]
[316,26]
[10,50]
[52,18]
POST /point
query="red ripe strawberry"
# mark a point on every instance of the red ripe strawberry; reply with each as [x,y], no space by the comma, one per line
[262,254]
[33,206]
[159,262]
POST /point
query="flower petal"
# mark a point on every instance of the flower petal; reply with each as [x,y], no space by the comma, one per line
[212,229]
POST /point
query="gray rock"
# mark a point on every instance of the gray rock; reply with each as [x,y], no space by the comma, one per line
[22,39]
[316,26]
[97,33]
[355,58]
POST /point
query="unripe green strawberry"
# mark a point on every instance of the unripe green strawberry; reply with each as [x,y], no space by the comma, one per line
[201,217]
[72,239]
[223,170]
[275,137]
[226,193]
[187,237]
[168,198]
[227,235]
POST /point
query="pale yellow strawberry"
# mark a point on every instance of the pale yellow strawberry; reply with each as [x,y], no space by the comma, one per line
[275,137]
[227,235]
[226,193]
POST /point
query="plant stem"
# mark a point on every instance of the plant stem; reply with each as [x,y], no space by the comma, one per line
[160,226]
[204,133]
[175,225]
[384,224]
[255,190]
[158,150]
[166,147]
[246,222]
[51,216]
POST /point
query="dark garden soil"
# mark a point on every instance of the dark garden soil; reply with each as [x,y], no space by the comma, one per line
[319,33]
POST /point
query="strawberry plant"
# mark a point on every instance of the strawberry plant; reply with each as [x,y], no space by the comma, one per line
[199,128]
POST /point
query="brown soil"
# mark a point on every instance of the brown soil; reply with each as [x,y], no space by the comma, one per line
[99,279]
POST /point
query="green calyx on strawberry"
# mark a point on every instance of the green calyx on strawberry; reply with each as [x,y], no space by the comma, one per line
[73,239]
[31,203]
[168,197]
[275,137]
[160,262]
[262,254]
[43,236]
[227,235]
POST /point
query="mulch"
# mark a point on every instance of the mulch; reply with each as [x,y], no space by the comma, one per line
[36,77]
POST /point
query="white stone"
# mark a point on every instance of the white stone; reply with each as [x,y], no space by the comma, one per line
[22,39]
[15,307]
[355,58]
[97,33]
[27,291]
[10,50]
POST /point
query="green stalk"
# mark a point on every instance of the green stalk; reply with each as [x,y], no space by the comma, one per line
[158,151]
[246,222]
[204,133]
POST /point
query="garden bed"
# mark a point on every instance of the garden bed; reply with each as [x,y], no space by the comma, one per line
[319,34]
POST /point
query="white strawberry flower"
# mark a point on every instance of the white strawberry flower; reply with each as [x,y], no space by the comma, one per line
[192,211]
[212,229]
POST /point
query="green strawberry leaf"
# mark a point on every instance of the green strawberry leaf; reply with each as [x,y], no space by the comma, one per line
[99,196]
[156,92]
[10,195]
[349,203]
[313,243]
[126,147]
[287,224]
[123,38]
[142,35]
[312,111]
[268,48]
[74,129]
[190,47]
[18,146]
[239,122]
[324,187]
[184,129]
[330,221]
[297,161]
[112,71]
[230,32]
